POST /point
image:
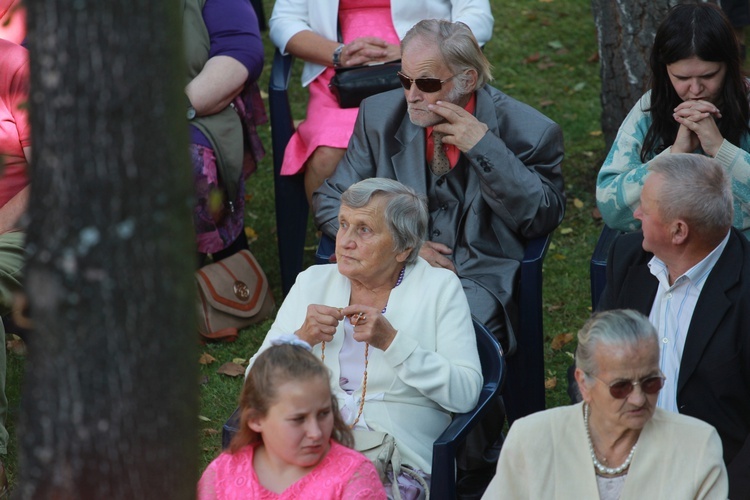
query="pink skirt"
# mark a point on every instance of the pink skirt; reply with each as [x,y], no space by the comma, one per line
[326,123]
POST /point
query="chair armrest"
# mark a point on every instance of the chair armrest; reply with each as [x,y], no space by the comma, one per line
[598,265]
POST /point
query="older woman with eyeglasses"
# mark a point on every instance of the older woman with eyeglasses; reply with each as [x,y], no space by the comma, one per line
[615,444]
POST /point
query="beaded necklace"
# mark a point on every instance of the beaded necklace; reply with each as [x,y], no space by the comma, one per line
[599,466]
[367,355]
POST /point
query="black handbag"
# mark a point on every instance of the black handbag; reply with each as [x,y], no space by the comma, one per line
[351,85]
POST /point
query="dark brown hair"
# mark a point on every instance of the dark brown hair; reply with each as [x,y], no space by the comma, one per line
[701,31]
[273,367]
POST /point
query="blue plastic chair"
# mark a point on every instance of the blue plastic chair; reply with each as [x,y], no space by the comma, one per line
[524,389]
[598,265]
[291,201]
[443,483]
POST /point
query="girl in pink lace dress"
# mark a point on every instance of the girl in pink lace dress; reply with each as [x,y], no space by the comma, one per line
[292,442]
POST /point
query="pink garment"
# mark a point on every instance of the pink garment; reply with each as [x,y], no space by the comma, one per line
[327,124]
[342,474]
[15,132]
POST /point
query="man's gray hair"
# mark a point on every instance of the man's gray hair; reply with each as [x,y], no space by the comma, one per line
[459,48]
[615,328]
[695,189]
[405,211]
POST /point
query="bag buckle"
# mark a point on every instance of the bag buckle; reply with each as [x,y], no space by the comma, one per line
[241,290]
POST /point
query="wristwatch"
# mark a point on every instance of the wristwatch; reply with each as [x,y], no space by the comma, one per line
[337,56]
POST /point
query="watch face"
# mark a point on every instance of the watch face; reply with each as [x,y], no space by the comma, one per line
[190,113]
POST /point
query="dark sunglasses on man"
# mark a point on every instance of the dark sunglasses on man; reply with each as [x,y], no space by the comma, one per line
[429,85]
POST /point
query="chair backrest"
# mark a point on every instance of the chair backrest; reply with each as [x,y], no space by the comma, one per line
[443,483]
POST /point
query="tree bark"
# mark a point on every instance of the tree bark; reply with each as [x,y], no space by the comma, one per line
[626,30]
[110,400]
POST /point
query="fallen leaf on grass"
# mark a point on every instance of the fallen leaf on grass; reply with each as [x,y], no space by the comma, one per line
[203,419]
[263,94]
[555,44]
[566,230]
[210,432]
[251,234]
[595,133]
[545,65]
[550,383]
[239,361]
[559,256]
[577,203]
[553,307]
[593,58]
[206,359]
[231,369]
[570,355]
[533,58]
[546,103]
[560,340]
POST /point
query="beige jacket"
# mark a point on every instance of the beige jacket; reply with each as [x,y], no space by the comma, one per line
[546,456]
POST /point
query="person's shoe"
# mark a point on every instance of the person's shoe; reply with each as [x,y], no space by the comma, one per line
[3,482]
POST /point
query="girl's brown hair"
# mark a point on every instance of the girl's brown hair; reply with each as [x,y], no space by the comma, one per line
[273,367]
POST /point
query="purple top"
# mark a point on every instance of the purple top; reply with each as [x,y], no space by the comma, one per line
[233,31]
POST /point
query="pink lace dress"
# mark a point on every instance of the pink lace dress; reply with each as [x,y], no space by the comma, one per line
[326,123]
[342,474]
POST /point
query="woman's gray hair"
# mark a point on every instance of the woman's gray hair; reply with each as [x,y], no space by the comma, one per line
[618,327]
[460,50]
[695,189]
[405,211]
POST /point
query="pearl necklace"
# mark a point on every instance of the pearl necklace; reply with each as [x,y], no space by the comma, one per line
[599,466]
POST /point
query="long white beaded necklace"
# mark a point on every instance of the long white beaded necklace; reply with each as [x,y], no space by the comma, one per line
[599,466]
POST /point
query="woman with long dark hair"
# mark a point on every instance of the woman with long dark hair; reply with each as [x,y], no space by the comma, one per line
[698,103]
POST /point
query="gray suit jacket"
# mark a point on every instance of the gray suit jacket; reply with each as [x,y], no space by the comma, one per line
[513,183]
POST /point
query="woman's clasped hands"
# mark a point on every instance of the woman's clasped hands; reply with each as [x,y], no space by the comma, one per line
[369,325]
[368,50]
[698,127]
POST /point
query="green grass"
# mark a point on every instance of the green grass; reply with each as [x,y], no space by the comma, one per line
[541,53]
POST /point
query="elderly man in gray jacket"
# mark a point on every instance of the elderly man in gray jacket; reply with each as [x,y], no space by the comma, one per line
[488,164]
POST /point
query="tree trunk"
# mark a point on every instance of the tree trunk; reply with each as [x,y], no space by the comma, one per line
[626,30]
[111,388]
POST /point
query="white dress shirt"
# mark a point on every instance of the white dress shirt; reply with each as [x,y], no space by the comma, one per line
[671,314]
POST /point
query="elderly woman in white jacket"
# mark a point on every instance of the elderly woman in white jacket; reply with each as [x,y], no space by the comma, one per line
[396,332]
[370,33]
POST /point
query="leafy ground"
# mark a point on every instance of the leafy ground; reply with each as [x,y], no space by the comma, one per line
[543,53]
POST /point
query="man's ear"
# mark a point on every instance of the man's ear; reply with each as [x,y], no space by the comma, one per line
[473,78]
[680,231]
